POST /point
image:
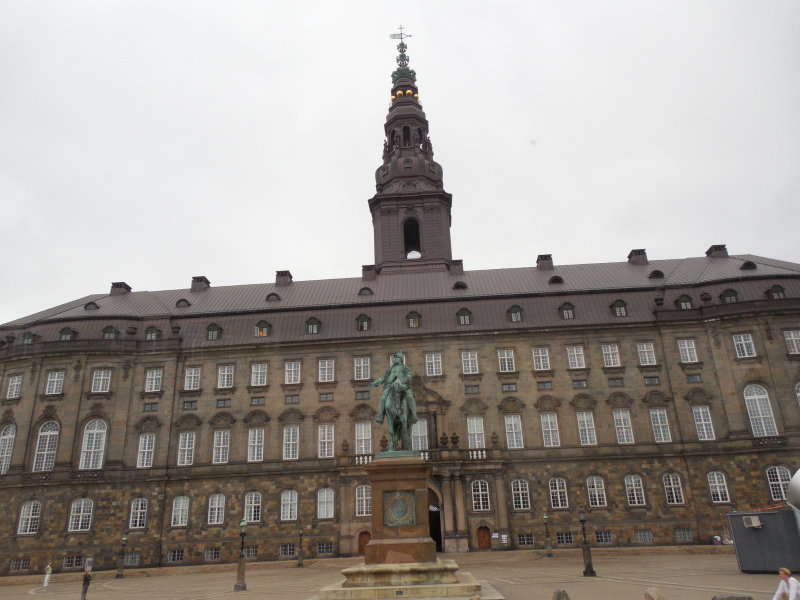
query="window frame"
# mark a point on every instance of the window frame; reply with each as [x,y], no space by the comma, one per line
[513,428]
[647,354]
[743,345]
[216,509]
[505,360]
[559,497]
[363,496]
[290,442]
[576,359]
[541,358]
[611,357]
[587,431]
[659,419]
[433,364]
[138,513]
[81,512]
[101,381]
[292,372]
[145,451]
[469,362]
[480,496]
[623,425]
[476,438]
[703,423]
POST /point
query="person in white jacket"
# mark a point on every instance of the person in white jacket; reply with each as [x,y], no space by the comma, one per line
[788,588]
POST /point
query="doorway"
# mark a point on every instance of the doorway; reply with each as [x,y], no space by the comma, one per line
[484,538]
[363,539]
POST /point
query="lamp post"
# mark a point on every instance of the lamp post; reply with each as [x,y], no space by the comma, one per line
[121,563]
[588,569]
[548,547]
[300,544]
[241,584]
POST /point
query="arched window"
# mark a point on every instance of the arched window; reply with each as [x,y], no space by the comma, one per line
[729,297]
[138,513]
[46,444]
[183,303]
[718,487]
[656,274]
[464,317]
[596,489]
[363,323]
[94,444]
[213,332]
[91,306]
[673,490]
[413,319]
[288,505]
[634,490]
[263,329]
[759,410]
[558,493]
[520,494]
[325,503]
[684,303]
[216,509]
[365,291]
[567,311]
[778,480]
[514,314]
[776,292]
[29,517]
[152,334]
[312,325]
[273,297]
[80,515]
[364,501]
[411,235]
[480,495]
[7,436]
[555,280]
[110,333]
[748,265]
[180,511]
[252,507]
[459,285]
[619,308]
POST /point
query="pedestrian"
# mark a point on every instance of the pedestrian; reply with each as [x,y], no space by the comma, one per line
[48,570]
[788,588]
[87,579]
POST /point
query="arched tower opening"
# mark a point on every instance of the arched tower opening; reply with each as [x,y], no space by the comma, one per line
[411,237]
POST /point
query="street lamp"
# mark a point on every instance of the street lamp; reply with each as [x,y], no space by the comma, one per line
[588,569]
[300,545]
[121,562]
[548,547]
[241,585]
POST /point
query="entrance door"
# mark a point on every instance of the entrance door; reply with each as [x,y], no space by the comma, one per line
[435,525]
[363,539]
[484,538]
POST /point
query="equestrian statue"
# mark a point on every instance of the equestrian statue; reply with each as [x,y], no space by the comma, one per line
[397,403]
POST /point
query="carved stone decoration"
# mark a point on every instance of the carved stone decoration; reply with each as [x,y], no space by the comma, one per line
[96,411]
[547,403]
[583,402]
[474,407]
[34,366]
[698,396]
[187,422]
[49,411]
[713,329]
[510,405]
[76,371]
[326,414]
[256,417]
[8,418]
[291,416]
[362,412]
[768,330]
[619,400]
[443,440]
[223,420]
[655,399]
[126,370]
[148,425]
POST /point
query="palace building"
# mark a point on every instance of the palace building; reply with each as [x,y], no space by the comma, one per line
[659,395]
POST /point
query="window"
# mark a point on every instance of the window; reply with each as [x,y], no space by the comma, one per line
[509,387]
[138,513]
[291,442]
[567,311]
[558,493]
[132,558]
[652,380]
[19,565]
[619,309]
[191,378]
[687,351]
[361,367]
[364,501]
[520,495]
[213,332]
[433,364]
[513,431]
[472,389]
[658,417]
[28,338]
[55,383]
[611,355]
[616,382]
[541,359]
[469,363]
[252,507]
[189,405]
[580,384]
[151,334]
[363,323]
[144,457]
[101,381]
[324,548]
[480,495]
[216,509]
[362,395]
[225,376]
[729,297]
[45,456]
[550,429]
[543,386]
[475,437]
[80,515]
[72,561]
[292,398]
[702,421]
[419,435]
[565,537]
[312,326]
[685,303]
[175,555]
[364,437]
[603,536]
[94,443]
[647,353]
[760,411]
[7,436]
[29,517]
[287,550]
[325,504]
[211,554]
[743,343]
[186,448]
[643,536]
[326,369]
[110,333]
[718,487]
[255,444]
[413,319]
[683,535]
[515,314]
[525,540]
[152,380]
[792,343]
[778,479]
[505,358]
[222,442]
[150,407]
[464,317]
[66,335]
[623,426]
[673,489]
[262,329]
[14,388]
[291,372]
[586,432]
[596,489]
[258,374]
[180,511]
[634,490]
[575,359]
[223,403]
[257,401]
[694,378]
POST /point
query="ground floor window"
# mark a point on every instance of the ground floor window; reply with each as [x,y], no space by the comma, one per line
[250,551]
[324,548]
[175,555]
[603,536]
[132,559]
[287,551]
[20,564]
[525,540]
[72,561]
[643,536]
[683,535]
[212,554]
[565,537]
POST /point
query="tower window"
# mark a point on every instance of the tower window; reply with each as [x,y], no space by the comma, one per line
[411,238]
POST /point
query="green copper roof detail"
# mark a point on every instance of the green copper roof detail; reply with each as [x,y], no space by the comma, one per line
[402,71]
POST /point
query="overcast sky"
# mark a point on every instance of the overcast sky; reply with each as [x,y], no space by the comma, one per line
[150,141]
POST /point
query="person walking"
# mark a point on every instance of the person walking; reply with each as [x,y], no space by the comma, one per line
[788,588]
[48,571]
[87,579]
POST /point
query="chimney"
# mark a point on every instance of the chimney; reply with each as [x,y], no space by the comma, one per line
[544,262]
[119,287]
[368,273]
[717,251]
[200,283]
[283,277]
[637,256]
[457,267]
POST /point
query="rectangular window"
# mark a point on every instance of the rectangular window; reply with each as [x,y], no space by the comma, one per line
[175,555]
[419,435]
[212,554]
[792,341]
[580,384]
[687,351]
[652,380]
[191,378]
[543,386]
[292,398]
[541,359]
[326,370]
[14,389]
[565,537]
[20,564]
[611,355]
[150,407]
[324,548]
[622,423]
[505,359]
[364,437]
[550,429]
[325,440]
[132,558]
[287,551]
[694,378]
[509,387]
[257,401]
[658,417]
[475,437]
[223,403]
[291,442]
[291,372]
[101,381]
[225,376]
[472,389]
[647,353]
[255,444]
[186,449]
[616,382]
[189,405]
[362,395]
[250,551]
[702,421]
[147,444]
[743,343]
[575,359]
[761,418]
[55,382]
[643,536]
[513,431]
[603,536]
[152,380]
[683,535]
[361,367]
[258,374]
[72,561]
[326,397]
[469,363]
[433,364]
[586,432]
[525,540]
[222,442]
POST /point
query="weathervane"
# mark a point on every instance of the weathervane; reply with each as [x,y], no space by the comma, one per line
[402,59]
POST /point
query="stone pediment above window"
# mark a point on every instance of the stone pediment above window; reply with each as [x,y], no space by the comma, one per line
[583,402]
[693,366]
[474,407]
[256,417]
[362,412]
[326,414]
[510,405]
[148,425]
[547,403]
[578,373]
[471,376]
[291,416]
[506,375]
[650,368]
[655,399]
[698,396]
[222,420]
[619,400]
[187,422]
[614,370]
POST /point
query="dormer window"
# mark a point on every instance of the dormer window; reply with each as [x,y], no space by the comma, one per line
[555,279]
[152,334]
[776,292]
[262,329]
[363,323]
[365,291]
[28,338]
[312,326]
[459,285]
[273,297]
[729,297]
[464,317]
[91,306]
[748,265]
[213,332]
[656,274]
[514,314]
[413,319]
[684,303]
[110,333]
[619,308]
[567,311]
[66,335]
[183,303]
